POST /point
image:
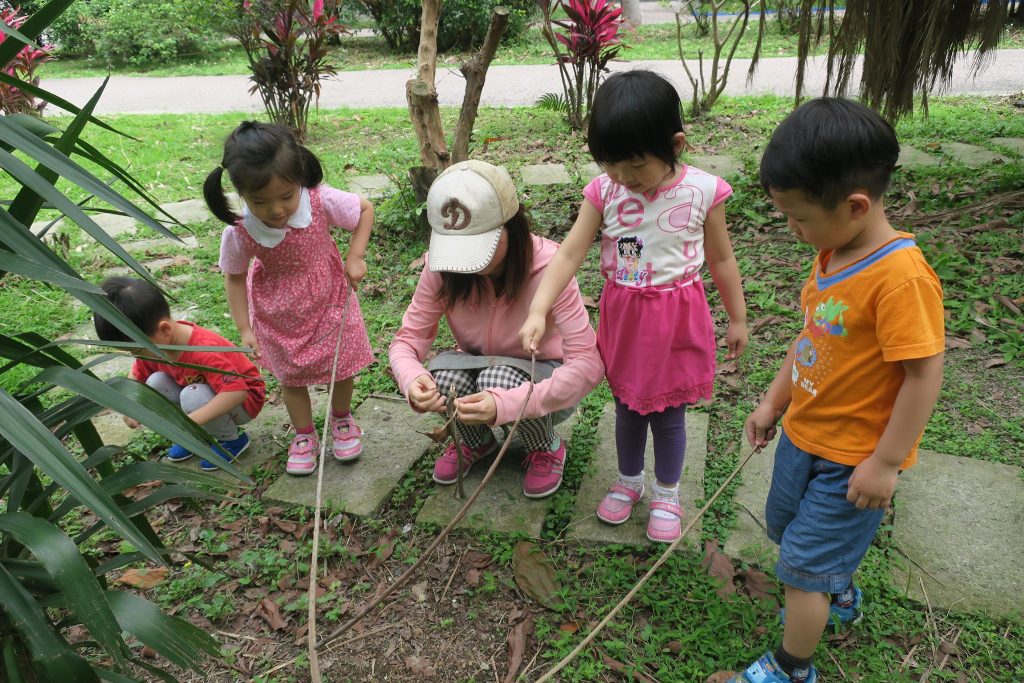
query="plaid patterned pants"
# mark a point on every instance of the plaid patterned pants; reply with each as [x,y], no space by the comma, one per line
[536,434]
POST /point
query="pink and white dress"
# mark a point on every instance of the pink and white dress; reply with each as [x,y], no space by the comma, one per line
[297,289]
[655,335]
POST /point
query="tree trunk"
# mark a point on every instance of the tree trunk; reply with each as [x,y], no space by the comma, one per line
[422,95]
[631,14]
[475,71]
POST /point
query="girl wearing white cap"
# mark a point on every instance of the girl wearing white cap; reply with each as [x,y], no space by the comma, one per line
[480,273]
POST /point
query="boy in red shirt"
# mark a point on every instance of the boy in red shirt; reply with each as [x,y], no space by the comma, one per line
[219,402]
[859,382]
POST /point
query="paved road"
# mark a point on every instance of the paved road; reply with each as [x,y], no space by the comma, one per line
[506,85]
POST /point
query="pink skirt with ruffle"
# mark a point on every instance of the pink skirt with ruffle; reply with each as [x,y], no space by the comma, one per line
[657,344]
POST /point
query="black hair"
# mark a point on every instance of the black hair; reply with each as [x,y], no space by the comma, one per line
[456,287]
[140,301]
[828,148]
[635,113]
[254,154]
[638,244]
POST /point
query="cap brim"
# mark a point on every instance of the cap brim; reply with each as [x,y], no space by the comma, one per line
[462,253]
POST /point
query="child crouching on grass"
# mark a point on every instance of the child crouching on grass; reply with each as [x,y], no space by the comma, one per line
[221,403]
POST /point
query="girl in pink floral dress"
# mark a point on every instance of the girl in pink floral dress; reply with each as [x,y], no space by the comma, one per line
[287,287]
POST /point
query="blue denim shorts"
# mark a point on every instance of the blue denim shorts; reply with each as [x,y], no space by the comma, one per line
[822,536]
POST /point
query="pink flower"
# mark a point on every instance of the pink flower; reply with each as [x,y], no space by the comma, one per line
[318,9]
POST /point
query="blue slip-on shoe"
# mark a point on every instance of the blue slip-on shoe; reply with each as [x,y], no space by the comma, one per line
[234,446]
[839,618]
[178,453]
[767,670]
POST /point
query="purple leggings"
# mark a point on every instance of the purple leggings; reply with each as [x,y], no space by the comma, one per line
[669,429]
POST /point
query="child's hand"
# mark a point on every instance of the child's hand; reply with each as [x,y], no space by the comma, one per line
[532,332]
[132,424]
[249,339]
[736,338]
[424,396]
[477,409]
[872,484]
[355,269]
[760,426]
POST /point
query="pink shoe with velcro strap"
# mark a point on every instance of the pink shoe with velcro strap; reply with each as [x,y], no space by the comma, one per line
[617,504]
[665,529]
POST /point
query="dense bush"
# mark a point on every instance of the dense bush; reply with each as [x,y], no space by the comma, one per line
[139,32]
[463,23]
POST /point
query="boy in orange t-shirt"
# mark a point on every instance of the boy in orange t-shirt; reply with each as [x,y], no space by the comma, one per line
[861,379]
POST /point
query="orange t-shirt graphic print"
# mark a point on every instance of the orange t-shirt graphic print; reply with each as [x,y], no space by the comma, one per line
[859,323]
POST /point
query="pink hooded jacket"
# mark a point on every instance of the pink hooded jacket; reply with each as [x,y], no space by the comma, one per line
[490,327]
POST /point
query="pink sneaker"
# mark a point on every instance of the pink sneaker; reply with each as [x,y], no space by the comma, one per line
[302,454]
[446,469]
[668,528]
[613,509]
[543,471]
[347,438]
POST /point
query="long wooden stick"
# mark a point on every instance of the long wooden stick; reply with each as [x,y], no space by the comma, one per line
[650,572]
[404,578]
[314,661]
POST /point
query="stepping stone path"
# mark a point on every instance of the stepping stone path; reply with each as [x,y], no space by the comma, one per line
[1016,144]
[586,527]
[502,507]
[545,174]
[717,164]
[911,157]
[369,185]
[391,444]
[959,520]
[971,155]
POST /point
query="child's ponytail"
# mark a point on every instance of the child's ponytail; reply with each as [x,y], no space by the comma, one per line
[216,200]
[312,171]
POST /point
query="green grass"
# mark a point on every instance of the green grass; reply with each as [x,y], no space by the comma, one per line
[359,53]
[678,627]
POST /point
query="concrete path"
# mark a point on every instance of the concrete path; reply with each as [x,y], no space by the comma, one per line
[957,527]
[506,86]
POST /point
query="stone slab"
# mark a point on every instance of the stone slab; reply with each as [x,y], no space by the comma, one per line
[391,445]
[721,165]
[545,174]
[585,526]
[748,540]
[369,185]
[187,242]
[114,224]
[188,211]
[970,155]
[911,157]
[117,366]
[269,436]
[589,171]
[960,520]
[1016,144]
[502,507]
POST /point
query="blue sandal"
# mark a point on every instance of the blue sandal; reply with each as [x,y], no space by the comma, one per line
[767,670]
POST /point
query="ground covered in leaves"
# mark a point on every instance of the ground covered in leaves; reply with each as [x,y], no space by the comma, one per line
[487,608]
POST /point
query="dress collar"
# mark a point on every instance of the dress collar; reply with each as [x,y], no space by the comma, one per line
[271,237]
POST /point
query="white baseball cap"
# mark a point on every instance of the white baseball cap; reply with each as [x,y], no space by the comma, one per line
[466,207]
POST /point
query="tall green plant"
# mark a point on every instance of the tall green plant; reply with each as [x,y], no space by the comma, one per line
[288,43]
[55,470]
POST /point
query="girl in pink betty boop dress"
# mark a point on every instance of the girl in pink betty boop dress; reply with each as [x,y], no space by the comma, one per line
[481,271]
[287,287]
[659,221]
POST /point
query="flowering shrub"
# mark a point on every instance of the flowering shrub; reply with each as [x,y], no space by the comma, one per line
[287,43]
[590,39]
[13,99]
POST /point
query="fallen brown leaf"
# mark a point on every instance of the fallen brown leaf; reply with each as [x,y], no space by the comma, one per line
[628,672]
[957,343]
[588,302]
[535,574]
[1008,302]
[757,584]
[720,677]
[474,577]
[719,565]
[994,363]
[569,627]
[517,638]
[383,549]
[417,264]
[143,578]
[269,612]
[421,666]
[477,560]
